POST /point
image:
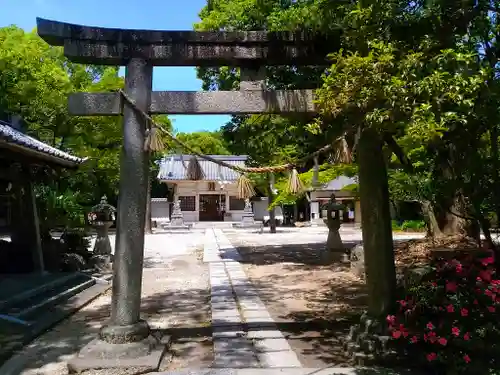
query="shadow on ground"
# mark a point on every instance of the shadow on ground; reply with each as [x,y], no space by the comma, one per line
[313,297]
[308,254]
[171,311]
[314,300]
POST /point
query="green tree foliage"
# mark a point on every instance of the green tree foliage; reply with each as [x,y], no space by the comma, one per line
[35,81]
[204,142]
[423,73]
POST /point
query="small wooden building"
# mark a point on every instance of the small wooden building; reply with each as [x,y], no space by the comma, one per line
[24,160]
[214,198]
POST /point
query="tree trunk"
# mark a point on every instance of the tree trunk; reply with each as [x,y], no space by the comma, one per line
[376,222]
[431,221]
[495,168]
[458,219]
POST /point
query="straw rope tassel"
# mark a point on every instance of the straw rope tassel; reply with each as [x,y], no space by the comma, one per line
[155,142]
[245,187]
[295,185]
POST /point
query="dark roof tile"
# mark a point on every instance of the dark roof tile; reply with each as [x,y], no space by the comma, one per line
[173,169]
[11,135]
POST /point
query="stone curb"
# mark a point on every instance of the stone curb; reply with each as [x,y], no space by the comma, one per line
[288,371]
[5,304]
[14,363]
[270,346]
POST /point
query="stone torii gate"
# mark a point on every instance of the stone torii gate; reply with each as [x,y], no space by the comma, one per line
[139,51]
[126,336]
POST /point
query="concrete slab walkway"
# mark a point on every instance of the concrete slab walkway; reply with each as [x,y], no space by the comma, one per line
[244,333]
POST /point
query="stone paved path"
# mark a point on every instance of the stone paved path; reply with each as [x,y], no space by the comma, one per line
[175,298]
[244,334]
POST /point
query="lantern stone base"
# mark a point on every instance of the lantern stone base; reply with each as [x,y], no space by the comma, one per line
[368,343]
[333,241]
[130,358]
[102,263]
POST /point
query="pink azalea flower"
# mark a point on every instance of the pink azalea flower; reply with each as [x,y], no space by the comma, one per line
[431,357]
[451,286]
[485,275]
[396,334]
[455,331]
[464,312]
[391,319]
[450,308]
[467,336]
[432,337]
[491,309]
[466,358]
[442,341]
[487,261]
[414,340]
[430,326]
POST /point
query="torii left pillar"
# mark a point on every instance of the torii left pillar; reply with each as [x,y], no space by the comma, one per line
[126,341]
[131,213]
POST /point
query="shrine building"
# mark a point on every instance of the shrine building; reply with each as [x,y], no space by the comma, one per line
[213,198]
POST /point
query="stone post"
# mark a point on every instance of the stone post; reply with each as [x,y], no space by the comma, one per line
[270,199]
[376,223]
[125,324]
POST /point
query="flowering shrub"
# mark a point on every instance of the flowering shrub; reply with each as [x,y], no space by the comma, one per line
[450,321]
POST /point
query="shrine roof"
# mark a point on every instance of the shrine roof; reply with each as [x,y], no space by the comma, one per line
[340,183]
[23,143]
[173,168]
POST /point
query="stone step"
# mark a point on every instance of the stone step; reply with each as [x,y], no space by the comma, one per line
[52,315]
[36,302]
[17,298]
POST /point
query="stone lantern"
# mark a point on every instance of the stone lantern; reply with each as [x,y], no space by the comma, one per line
[332,221]
[101,218]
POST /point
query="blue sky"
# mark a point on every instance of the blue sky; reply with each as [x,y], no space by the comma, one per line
[135,14]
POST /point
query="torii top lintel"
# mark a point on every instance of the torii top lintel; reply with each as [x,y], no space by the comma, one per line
[109,46]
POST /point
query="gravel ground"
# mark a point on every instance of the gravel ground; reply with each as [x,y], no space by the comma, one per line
[175,300]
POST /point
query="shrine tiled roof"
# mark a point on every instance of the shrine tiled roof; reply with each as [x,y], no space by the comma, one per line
[12,137]
[173,167]
[340,183]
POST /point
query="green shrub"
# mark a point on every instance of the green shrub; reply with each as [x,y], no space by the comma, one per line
[415,225]
[396,225]
[450,321]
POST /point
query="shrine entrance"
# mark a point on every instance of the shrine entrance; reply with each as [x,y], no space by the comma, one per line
[210,207]
[139,50]
[250,52]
